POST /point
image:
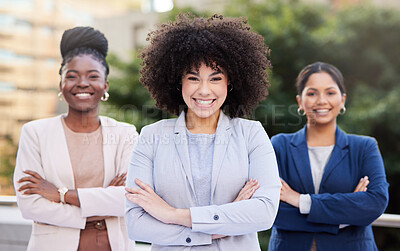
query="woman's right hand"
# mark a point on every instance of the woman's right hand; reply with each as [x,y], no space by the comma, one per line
[245,193]
[118,180]
[248,190]
[362,185]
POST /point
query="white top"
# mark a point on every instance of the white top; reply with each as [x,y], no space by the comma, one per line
[319,156]
[201,152]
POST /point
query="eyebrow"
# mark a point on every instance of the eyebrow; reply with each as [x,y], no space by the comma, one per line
[313,89]
[212,74]
[89,71]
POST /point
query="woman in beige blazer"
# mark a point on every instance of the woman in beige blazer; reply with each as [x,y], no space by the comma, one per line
[185,174]
[70,169]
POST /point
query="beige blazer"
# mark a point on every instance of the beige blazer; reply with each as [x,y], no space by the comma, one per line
[43,149]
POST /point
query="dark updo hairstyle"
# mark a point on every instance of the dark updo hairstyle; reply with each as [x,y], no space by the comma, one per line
[84,41]
[318,67]
[221,43]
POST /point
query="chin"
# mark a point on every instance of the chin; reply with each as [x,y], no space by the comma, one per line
[318,122]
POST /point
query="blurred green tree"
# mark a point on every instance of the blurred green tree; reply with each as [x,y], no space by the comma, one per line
[129,101]
[7,163]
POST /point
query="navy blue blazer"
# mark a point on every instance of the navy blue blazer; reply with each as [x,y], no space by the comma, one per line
[352,158]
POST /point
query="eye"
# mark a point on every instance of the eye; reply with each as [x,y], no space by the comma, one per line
[215,79]
[331,93]
[71,77]
[94,77]
[310,94]
[191,78]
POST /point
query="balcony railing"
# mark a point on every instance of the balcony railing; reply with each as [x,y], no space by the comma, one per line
[17,229]
[385,220]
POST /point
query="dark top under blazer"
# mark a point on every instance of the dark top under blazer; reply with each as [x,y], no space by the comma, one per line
[352,158]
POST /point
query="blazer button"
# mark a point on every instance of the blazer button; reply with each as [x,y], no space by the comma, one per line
[216,217]
[188,240]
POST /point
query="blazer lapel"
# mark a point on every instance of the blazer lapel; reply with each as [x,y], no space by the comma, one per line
[222,136]
[299,152]
[181,144]
[109,141]
[339,151]
[60,155]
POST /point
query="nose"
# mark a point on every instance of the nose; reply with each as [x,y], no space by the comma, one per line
[83,82]
[321,99]
[204,88]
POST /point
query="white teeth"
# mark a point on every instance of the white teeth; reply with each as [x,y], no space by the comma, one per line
[82,94]
[204,102]
[322,111]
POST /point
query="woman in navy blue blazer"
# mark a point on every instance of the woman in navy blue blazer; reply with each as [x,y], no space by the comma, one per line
[333,184]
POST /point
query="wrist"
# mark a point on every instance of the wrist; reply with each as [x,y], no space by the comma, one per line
[181,217]
[296,200]
[62,191]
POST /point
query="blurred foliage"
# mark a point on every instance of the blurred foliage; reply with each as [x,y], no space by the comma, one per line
[129,101]
[362,41]
[7,163]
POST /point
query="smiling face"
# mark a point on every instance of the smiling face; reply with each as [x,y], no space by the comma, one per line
[204,91]
[321,100]
[83,83]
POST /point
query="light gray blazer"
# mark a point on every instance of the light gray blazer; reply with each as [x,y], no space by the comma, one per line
[242,151]
[43,149]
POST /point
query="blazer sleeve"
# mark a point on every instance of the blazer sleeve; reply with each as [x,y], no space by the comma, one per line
[109,201]
[252,215]
[289,217]
[34,206]
[140,225]
[360,208]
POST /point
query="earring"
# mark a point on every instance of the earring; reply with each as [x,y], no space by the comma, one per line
[105,97]
[300,112]
[230,88]
[177,87]
[342,110]
[59,95]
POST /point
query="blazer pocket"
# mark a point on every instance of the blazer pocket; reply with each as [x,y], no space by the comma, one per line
[40,229]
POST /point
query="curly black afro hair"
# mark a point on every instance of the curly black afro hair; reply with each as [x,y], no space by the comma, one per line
[177,47]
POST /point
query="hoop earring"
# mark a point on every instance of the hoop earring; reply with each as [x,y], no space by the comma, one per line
[105,97]
[342,110]
[59,95]
[300,112]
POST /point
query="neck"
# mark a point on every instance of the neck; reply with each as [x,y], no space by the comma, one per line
[82,121]
[320,135]
[196,124]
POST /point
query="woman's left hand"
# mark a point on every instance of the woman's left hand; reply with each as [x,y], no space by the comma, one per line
[37,185]
[288,195]
[150,202]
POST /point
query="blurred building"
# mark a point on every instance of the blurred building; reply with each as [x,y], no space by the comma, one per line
[30,31]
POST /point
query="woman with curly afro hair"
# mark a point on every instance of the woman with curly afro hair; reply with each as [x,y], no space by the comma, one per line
[206,180]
